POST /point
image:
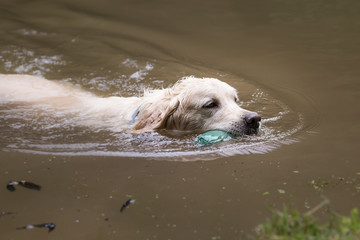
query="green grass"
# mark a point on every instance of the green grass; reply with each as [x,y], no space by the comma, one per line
[289,224]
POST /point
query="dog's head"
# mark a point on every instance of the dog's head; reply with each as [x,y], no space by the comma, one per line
[196,105]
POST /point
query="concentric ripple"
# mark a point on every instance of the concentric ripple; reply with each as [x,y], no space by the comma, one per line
[40,130]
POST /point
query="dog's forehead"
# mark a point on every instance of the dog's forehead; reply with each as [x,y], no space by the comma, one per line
[220,84]
[211,86]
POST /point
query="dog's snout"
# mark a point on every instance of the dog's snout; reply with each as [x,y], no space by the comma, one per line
[252,120]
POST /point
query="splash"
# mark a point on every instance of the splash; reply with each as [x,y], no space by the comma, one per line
[22,60]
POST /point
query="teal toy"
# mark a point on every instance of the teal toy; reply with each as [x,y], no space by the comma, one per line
[213,136]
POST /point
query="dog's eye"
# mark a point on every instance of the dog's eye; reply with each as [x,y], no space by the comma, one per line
[211,104]
[236,99]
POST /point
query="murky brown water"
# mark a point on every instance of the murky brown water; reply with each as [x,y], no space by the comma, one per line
[295,63]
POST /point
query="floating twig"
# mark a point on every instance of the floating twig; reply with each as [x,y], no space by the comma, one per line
[50,226]
[5,213]
[325,202]
[11,185]
[126,204]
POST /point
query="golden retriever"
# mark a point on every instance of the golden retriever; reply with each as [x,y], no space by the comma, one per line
[192,104]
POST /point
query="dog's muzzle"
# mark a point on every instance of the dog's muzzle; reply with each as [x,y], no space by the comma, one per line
[252,122]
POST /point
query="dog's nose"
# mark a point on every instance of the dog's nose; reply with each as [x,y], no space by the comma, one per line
[252,120]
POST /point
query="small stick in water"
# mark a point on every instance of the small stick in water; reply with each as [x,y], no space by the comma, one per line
[11,185]
[5,213]
[126,204]
[50,226]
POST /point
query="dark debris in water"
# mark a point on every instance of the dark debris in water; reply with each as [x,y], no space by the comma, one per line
[11,185]
[126,204]
[5,213]
[50,226]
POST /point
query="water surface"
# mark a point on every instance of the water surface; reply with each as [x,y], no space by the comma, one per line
[294,63]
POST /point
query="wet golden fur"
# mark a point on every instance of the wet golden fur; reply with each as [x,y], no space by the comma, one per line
[192,104]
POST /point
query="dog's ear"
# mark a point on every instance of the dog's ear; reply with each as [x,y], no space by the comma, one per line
[154,116]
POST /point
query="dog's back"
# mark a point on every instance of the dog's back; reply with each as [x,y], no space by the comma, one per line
[32,89]
[67,98]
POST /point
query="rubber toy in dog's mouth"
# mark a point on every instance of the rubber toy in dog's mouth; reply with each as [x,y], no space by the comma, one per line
[212,137]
